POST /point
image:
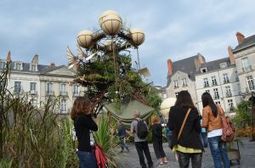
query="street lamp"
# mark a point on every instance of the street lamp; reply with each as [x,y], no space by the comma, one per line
[109,40]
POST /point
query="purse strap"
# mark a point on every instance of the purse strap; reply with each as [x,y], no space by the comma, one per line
[183,123]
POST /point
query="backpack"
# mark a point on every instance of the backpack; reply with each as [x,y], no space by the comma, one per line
[228,129]
[142,129]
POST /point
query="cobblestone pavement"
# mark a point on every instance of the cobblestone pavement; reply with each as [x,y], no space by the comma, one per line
[130,160]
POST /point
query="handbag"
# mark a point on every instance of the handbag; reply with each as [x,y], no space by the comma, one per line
[183,124]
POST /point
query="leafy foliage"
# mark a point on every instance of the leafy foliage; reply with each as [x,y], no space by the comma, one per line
[243,114]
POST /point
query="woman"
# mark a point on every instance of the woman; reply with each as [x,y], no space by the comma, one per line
[83,124]
[188,146]
[157,140]
[212,121]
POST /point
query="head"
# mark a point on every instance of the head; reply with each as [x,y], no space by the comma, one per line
[81,105]
[136,114]
[184,100]
[155,120]
[208,101]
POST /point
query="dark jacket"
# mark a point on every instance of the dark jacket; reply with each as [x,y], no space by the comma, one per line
[157,132]
[83,124]
[190,136]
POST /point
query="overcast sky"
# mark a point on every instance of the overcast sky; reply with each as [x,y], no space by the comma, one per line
[174,29]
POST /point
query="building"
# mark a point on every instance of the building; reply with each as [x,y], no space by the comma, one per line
[244,54]
[220,79]
[181,75]
[38,82]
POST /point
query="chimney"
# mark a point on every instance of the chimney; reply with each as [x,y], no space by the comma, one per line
[199,61]
[52,64]
[231,56]
[169,67]
[240,37]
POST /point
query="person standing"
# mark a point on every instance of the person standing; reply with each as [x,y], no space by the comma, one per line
[141,144]
[211,120]
[157,140]
[184,121]
[122,133]
[83,124]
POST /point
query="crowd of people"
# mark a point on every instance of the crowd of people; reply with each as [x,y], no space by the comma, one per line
[187,131]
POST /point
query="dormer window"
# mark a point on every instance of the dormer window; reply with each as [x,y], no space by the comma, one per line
[18,66]
[223,65]
[33,67]
[2,64]
[203,70]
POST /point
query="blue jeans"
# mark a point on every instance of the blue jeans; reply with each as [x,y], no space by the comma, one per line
[87,159]
[219,152]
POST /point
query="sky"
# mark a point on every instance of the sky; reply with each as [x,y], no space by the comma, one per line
[173,29]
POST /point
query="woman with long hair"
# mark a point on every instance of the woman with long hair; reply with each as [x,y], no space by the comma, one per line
[188,146]
[83,124]
[157,139]
[212,122]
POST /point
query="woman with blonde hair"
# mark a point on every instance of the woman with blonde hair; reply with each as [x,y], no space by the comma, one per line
[83,124]
[157,140]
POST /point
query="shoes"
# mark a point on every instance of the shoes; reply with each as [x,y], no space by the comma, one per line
[165,161]
[161,163]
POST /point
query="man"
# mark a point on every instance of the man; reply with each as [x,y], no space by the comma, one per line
[141,145]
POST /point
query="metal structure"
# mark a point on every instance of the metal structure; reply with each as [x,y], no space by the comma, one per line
[107,44]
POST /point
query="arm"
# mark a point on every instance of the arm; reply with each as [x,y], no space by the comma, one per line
[170,120]
[89,123]
[205,118]
[132,129]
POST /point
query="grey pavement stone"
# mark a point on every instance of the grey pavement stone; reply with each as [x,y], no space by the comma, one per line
[130,159]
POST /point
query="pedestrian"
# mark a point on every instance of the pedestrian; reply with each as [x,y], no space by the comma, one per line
[141,144]
[168,135]
[211,120]
[204,135]
[157,139]
[184,121]
[122,133]
[83,124]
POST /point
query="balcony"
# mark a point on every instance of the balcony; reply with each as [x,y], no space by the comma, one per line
[50,93]
[225,81]
[63,93]
[33,92]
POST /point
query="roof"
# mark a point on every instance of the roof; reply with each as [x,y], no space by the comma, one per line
[247,42]
[215,65]
[126,113]
[187,66]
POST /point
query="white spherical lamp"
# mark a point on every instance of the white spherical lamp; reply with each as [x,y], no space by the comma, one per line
[85,38]
[110,22]
[137,36]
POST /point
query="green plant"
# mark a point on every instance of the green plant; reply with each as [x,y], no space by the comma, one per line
[243,115]
[105,138]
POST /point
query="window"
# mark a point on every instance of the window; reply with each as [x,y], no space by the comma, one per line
[230,104]
[216,93]
[176,94]
[17,87]
[33,102]
[217,102]
[63,106]
[184,82]
[18,66]
[176,84]
[203,70]
[223,65]
[250,82]
[32,87]
[49,88]
[208,91]
[206,83]
[63,89]
[228,91]
[214,81]
[33,67]
[245,64]
[76,90]
[225,78]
